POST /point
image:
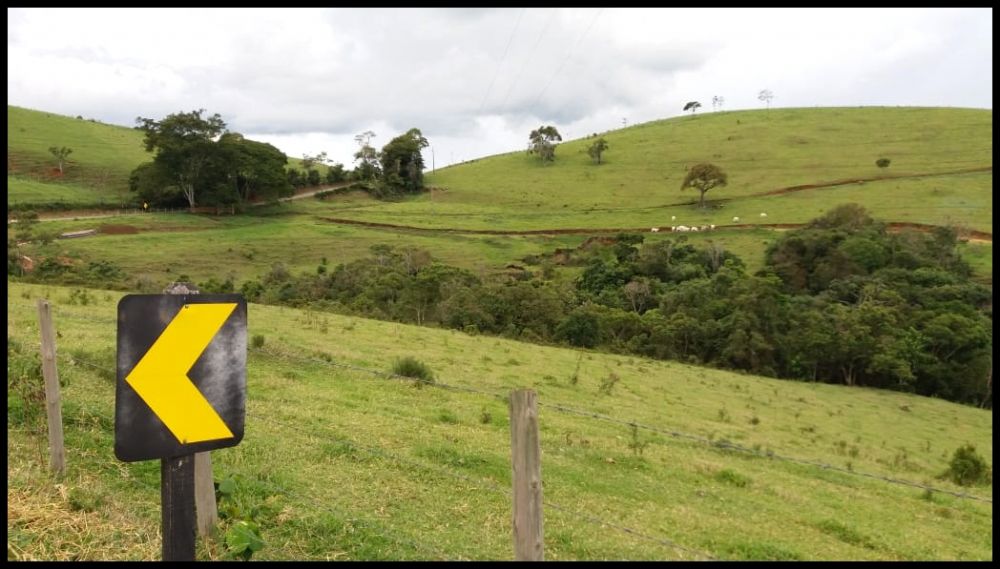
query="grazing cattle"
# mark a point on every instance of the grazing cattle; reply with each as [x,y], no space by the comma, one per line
[655,229]
[712,227]
[736,220]
[762,214]
[682,228]
[673,218]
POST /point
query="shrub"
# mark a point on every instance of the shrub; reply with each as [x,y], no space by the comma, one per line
[883,162]
[968,468]
[258,341]
[410,366]
[608,383]
[732,477]
[25,387]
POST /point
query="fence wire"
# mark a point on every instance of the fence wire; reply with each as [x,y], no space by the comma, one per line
[492,486]
[720,444]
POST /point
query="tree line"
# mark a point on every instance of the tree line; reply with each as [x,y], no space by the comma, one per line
[839,301]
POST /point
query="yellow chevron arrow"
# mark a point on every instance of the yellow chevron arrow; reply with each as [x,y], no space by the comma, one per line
[160,378]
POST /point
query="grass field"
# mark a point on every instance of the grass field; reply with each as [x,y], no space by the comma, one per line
[202,247]
[960,200]
[26,191]
[342,464]
[246,247]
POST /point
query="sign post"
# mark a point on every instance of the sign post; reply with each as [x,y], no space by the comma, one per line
[181,389]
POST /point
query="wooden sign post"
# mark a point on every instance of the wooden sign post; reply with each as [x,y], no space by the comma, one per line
[181,390]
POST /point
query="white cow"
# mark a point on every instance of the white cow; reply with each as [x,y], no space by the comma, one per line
[712,227]
[683,228]
[736,220]
[762,214]
[673,218]
[655,229]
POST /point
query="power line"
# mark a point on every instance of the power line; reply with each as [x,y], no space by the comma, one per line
[502,58]
[568,55]
[527,59]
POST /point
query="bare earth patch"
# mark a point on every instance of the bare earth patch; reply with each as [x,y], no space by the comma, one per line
[113,229]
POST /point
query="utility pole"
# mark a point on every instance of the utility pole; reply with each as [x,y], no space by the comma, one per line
[624,122]
[432,159]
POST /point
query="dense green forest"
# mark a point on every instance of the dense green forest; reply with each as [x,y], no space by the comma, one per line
[839,301]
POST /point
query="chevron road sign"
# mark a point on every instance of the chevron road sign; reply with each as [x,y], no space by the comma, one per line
[181,386]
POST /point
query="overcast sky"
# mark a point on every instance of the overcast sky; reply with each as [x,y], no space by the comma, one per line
[477,81]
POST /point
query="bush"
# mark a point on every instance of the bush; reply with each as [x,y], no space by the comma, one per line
[608,383]
[410,366]
[258,341]
[883,162]
[967,468]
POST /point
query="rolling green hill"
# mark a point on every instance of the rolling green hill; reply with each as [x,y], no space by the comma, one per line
[96,173]
[637,187]
[339,463]
[940,173]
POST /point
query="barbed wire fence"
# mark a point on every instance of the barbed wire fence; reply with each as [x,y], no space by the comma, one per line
[382,453]
[719,444]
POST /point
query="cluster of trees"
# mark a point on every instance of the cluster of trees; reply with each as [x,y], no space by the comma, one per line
[397,169]
[840,301]
[199,162]
[310,176]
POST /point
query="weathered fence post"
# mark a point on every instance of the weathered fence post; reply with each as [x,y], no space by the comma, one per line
[53,406]
[206,509]
[204,493]
[526,462]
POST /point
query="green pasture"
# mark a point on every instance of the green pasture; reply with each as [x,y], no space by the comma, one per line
[340,464]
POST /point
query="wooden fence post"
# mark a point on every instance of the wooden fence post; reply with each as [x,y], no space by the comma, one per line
[204,494]
[526,462]
[206,508]
[53,405]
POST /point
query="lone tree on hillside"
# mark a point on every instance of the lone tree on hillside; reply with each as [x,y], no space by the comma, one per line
[692,106]
[766,95]
[704,177]
[883,162]
[597,148]
[542,142]
[60,154]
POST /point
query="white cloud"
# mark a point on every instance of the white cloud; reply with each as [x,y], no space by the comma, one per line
[476,81]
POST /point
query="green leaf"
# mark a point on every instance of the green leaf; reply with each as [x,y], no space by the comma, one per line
[244,539]
[227,486]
